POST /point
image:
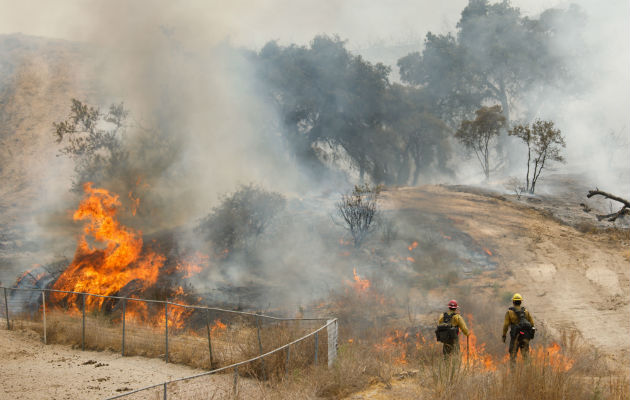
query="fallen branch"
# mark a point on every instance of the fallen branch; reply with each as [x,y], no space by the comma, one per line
[625,210]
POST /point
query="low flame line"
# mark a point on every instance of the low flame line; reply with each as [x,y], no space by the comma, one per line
[169,303]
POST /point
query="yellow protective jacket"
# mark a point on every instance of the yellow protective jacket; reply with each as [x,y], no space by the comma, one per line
[456,320]
[512,319]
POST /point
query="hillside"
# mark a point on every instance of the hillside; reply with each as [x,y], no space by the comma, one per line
[571,281]
[474,243]
[37,79]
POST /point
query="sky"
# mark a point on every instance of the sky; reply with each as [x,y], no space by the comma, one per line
[252,23]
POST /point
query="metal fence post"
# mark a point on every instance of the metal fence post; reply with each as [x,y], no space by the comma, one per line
[260,348]
[235,387]
[166,329]
[316,346]
[6,308]
[124,311]
[209,339]
[332,341]
[83,325]
[286,365]
[165,395]
[44,313]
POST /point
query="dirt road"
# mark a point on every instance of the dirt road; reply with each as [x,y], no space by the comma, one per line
[32,370]
[568,278]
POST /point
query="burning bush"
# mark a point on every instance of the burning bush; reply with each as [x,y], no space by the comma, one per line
[240,218]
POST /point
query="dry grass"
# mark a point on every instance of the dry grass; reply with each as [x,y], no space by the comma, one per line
[537,379]
[577,371]
[357,367]
[280,364]
[360,365]
[189,347]
[363,359]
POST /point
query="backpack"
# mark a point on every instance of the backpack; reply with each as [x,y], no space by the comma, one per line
[523,329]
[446,332]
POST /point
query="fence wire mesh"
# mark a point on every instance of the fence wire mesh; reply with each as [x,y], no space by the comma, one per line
[233,344]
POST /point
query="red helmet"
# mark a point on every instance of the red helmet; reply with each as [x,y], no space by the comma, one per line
[452,304]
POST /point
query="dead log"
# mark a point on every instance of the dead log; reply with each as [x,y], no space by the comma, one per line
[625,210]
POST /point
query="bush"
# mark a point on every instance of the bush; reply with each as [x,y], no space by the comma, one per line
[240,218]
[358,211]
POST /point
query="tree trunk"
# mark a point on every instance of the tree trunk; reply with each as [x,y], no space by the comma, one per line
[486,163]
[529,157]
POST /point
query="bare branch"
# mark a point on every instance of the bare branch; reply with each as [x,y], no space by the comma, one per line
[625,210]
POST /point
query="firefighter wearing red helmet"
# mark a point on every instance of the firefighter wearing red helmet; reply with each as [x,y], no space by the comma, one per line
[449,325]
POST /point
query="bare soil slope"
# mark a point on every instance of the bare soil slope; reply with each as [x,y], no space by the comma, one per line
[568,278]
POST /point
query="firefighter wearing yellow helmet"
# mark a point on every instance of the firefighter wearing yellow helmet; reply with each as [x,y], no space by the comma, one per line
[521,325]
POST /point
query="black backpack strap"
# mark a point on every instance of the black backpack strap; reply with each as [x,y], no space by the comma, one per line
[520,313]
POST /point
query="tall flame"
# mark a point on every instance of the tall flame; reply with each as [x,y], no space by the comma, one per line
[106,271]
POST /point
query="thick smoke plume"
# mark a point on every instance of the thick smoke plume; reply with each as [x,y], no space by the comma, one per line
[201,122]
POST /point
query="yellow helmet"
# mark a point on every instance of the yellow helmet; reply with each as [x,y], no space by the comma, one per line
[517,297]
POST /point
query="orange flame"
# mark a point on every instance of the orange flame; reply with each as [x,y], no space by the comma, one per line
[412,246]
[191,266]
[217,327]
[344,242]
[411,259]
[135,203]
[396,343]
[360,285]
[487,251]
[476,356]
[552,356]
[106,271]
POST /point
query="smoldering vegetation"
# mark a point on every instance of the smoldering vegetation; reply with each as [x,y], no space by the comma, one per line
[193,117]
[230,163]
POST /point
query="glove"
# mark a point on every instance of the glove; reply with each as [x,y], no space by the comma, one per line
[503,337]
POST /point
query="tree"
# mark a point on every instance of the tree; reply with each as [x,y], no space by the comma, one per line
[331,99]
[416,141]
[326,96]
[93,140]
[240,218]
[359,210]
[478,134]
[496,55]
[544,144]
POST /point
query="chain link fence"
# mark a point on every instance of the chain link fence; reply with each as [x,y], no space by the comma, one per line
[230,344]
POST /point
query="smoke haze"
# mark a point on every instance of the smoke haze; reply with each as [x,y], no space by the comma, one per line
[177,68]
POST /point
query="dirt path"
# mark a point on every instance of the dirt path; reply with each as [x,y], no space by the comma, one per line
[31,370]
[568,278]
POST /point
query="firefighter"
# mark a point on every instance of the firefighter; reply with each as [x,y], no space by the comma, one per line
[522,329]
[451,342]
